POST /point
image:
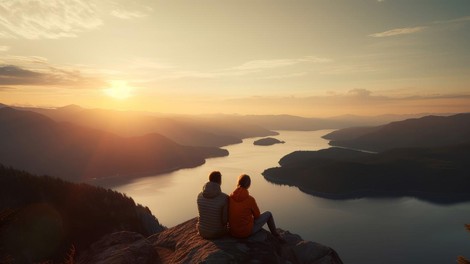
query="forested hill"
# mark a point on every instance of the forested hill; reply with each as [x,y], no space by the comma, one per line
[36,143]
[44,218]
[429,131]
[439,174]
[426,158]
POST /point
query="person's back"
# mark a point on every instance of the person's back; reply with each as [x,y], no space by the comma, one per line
[245,218]
[212,206]
[242,212]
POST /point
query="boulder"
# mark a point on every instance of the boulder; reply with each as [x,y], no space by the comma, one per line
[182,244]
[120,248]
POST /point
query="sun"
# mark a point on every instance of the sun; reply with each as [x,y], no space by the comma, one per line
[119,90]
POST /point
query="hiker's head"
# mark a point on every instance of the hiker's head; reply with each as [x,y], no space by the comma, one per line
[215,176]
[244,181]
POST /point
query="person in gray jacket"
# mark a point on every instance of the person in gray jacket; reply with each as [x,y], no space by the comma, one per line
[212,204]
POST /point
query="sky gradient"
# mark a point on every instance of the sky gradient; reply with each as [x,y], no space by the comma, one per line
[312,58]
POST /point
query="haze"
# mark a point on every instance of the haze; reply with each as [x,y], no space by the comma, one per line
[308,58]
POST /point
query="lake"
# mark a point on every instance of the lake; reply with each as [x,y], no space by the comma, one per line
[362,231]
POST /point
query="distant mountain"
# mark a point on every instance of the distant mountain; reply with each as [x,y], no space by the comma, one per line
[439,174]
[289,122]
[48,220]
[429,131]
[36,143]
[423,157]
[214,131]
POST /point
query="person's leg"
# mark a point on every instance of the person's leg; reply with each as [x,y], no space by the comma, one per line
[260,221]
[267,218]
[264,218]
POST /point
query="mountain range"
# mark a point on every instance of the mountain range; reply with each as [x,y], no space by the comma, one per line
[428,131]
[38,144]
[207,131]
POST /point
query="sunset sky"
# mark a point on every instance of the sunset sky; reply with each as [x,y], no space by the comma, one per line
[312,58]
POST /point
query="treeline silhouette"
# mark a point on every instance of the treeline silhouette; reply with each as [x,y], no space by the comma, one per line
[426,158]
[48,219]
[438,175]
[428,131]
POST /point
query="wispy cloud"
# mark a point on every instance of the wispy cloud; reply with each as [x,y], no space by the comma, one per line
[36,71]
[250,67]
[456,20]
[411,30]
[5,88]
[127,10]
[398,31]
[355,101]
[286,76]
[53,19]
[4,48]
[267,64]
[124,14]
[47,18]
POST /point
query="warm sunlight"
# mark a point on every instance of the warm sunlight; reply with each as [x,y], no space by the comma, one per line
[119,90]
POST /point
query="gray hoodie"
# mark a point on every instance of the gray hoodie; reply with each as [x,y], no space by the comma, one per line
[212,205]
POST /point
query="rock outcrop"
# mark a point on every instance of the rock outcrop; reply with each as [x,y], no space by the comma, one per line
[182,244]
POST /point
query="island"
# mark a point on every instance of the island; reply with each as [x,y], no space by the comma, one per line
[267,141]
[438,175]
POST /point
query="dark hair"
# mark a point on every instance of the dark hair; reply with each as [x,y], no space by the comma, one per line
[244,181]
[215,176]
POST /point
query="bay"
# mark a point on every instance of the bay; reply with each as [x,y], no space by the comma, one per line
[362,231]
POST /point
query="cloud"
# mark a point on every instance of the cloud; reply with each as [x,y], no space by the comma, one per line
[124,14]
[250,67]
[37,71]
[53,19]
[456,20]
[4,48]
[5,88]
[359,93]
[411,30]
[267,64]
[127,10]
[286,76]
[355,101]
[398,31]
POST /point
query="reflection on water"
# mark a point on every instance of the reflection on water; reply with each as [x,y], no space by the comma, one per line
[402,230]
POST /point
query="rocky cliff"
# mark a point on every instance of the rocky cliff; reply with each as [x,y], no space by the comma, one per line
[182,244]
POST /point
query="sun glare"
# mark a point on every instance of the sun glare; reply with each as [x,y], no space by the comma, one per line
[119,90]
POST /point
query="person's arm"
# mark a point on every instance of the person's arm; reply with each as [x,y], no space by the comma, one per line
[225,212]
[255,209]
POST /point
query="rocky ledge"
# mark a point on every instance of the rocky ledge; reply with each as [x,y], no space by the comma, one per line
[182,244]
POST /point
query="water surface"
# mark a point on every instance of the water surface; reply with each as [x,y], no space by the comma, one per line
[362,231]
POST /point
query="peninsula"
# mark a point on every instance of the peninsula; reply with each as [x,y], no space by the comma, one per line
[426,158]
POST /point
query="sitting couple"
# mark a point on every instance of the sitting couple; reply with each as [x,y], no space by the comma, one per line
[239,210]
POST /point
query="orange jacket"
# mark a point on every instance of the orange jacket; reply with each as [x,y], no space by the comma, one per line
[242,212]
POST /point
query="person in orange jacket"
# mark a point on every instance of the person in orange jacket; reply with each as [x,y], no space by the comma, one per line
[245,218]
